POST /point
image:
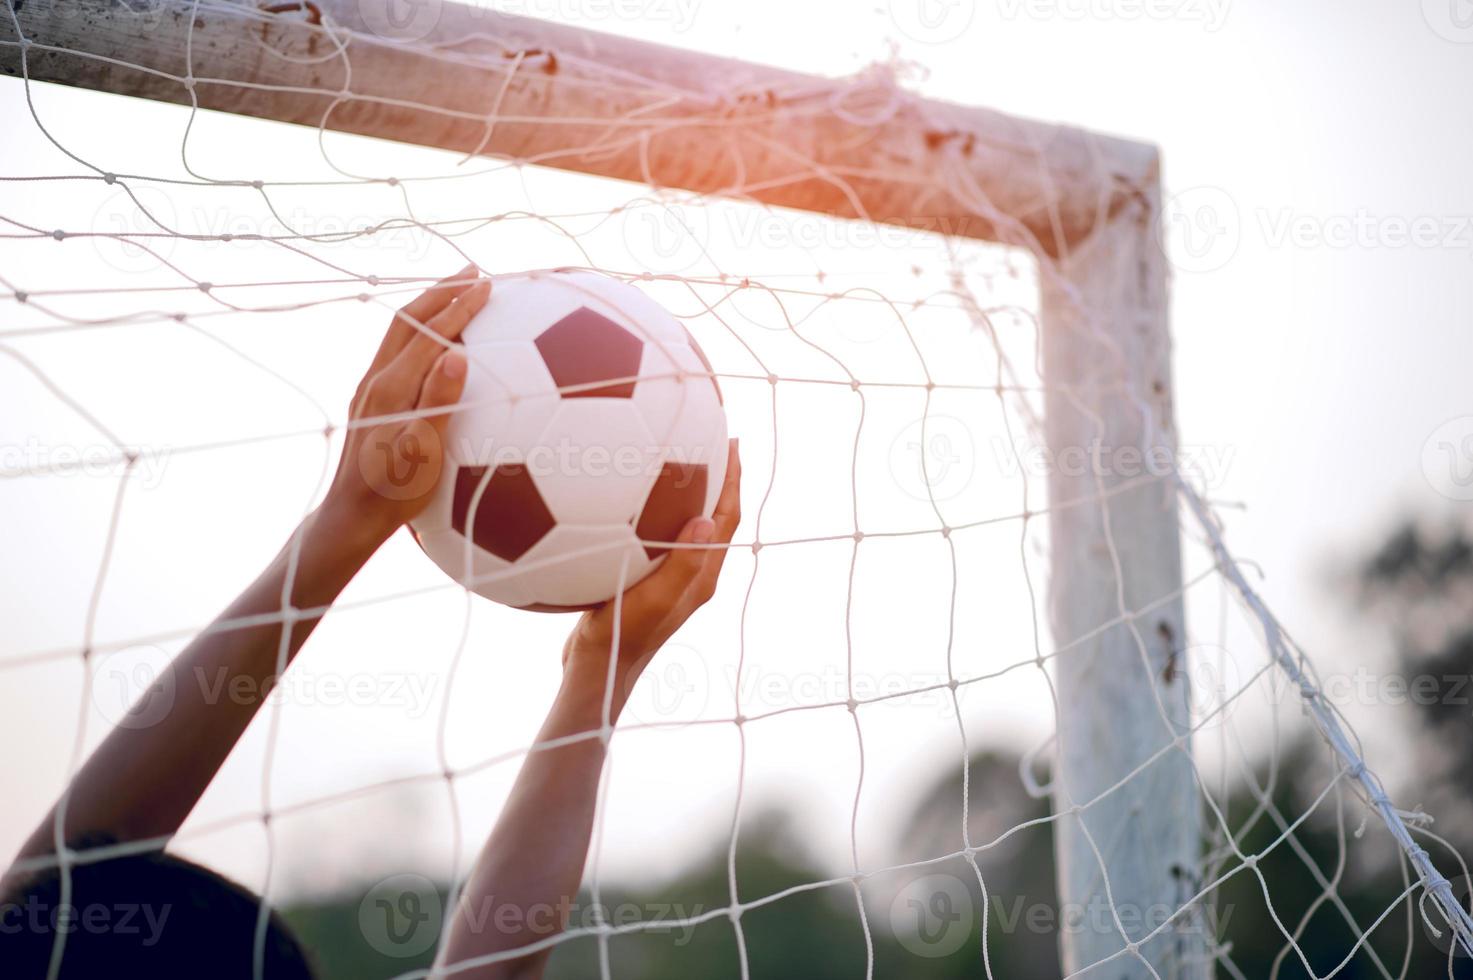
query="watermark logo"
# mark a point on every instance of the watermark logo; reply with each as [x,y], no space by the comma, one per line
[933,457]
[1451,20]
[1213,683]
[401,915]
[1201,229]
[932,916]
[402,21]
[132,229]
[398,463]
[1447,458]
[666,238]
[134,688]
[933,21]
[673,691]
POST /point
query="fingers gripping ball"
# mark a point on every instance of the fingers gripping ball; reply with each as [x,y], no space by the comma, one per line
[589,432]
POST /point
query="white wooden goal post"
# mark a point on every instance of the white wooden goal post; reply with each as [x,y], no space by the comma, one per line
[1087,206]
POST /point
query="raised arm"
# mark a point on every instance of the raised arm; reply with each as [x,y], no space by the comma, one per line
[533,862]
[147,775]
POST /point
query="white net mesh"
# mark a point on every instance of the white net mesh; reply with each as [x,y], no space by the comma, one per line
[189,299]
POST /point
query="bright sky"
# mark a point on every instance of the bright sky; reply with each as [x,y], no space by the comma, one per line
[1312,369]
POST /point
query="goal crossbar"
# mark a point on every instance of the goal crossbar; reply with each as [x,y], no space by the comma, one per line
[481,82]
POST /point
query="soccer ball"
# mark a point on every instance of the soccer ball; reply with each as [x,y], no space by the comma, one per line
[590,430]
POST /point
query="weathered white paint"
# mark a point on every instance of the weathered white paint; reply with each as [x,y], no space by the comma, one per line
[1122,692]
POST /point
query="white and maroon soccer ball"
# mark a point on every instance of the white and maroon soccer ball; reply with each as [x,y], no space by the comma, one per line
[590,430]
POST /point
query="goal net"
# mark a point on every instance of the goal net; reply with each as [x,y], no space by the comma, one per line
[984,690]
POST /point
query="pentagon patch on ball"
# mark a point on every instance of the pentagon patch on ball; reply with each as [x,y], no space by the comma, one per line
[590,431]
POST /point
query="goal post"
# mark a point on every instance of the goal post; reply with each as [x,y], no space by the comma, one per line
[1128,833]
[1116,582]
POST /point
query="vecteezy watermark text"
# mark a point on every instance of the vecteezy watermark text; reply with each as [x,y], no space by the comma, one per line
[403,915]
[141,919]
[137,687]
[933,916]
[1205,465]
[143,464]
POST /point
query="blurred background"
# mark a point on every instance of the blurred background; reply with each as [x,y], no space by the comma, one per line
[1320,227]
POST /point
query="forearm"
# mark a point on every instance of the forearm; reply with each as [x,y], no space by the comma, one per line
[528,874]
[147,775]
[531,867]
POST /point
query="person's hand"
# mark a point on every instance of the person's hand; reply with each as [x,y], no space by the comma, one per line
[655,607]
[390,469]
